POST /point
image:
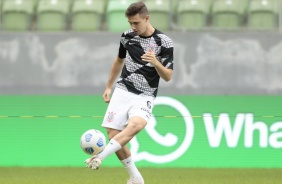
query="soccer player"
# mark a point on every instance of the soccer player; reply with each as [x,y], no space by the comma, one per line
[145,55]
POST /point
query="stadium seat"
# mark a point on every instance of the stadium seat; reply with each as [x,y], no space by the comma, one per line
[87,15]
[192,14]
[227,14]
[17,15]
[52,15]
[159,11]
[263,14]
[116,20]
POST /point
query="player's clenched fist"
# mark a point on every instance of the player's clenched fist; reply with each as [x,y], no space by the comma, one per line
[150,57]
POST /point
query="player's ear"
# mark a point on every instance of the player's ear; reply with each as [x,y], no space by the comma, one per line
[147,17]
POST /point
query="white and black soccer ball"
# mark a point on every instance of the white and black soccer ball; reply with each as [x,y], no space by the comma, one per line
[92,142]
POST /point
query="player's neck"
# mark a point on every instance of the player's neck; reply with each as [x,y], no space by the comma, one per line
[150,30]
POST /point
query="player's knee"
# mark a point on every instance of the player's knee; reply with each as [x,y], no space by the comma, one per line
[137,124]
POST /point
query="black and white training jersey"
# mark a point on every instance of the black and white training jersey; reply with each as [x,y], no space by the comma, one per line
[138,76]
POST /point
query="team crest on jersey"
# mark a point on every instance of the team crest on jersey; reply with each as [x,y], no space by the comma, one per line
[111,116]
[149,104]
[152,46]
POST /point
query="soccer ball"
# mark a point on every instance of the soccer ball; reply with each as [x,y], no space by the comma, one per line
[92,142]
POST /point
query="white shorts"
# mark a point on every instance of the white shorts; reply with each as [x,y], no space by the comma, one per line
[123,106]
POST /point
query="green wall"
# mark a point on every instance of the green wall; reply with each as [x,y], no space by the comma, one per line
[185,131]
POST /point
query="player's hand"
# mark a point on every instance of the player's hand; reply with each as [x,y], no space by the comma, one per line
[150,57]
[107,95]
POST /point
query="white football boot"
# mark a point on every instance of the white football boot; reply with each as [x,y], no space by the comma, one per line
[135,181]
[93,162]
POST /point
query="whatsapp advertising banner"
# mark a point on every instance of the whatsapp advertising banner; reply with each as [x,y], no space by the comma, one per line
[184,131]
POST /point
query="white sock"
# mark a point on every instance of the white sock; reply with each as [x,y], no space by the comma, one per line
[111,148]
[131,168]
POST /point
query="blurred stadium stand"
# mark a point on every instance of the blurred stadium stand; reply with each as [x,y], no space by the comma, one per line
[52,15]
[166,15]
[86,15]
[115,18]
[160,10]
[264,14]
[192,14]
[227,14]
[17,15]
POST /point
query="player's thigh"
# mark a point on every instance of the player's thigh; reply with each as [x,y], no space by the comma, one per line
[135,125]
[116,114]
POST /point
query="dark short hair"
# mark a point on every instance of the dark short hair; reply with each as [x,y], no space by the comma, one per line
[137,8]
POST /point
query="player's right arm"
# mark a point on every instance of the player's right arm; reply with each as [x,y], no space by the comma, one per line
[115,70]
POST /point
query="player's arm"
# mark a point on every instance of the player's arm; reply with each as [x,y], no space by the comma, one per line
[115,70]
[164,73]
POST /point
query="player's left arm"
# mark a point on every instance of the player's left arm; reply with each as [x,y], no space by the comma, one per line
[163,71]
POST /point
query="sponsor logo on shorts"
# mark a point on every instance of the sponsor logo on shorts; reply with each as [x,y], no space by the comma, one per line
[149,104]
[146,110]
[148,115]
[111,116]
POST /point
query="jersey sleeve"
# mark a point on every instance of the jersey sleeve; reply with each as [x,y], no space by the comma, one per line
[167,52]
[122,49]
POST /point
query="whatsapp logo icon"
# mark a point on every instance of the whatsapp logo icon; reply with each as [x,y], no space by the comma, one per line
[167,140]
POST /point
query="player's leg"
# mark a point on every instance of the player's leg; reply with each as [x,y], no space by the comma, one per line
[127,161]
[125,158]
[121,138]
[115,120]
[135,125]
[139,112]
[117,144]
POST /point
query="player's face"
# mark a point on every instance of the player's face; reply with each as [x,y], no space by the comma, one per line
[138,24]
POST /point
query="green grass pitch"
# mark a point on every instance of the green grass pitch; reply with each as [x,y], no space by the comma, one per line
[19,175]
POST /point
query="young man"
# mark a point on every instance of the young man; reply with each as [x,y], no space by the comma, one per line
[145,55]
